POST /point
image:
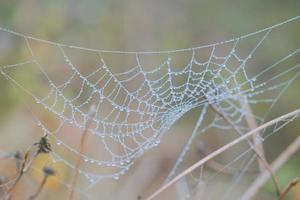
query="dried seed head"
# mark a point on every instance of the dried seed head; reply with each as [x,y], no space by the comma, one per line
[48,171]
[43,145]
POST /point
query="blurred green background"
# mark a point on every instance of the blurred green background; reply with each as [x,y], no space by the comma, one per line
[135,25]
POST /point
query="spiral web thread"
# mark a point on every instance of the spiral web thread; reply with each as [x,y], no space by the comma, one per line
[129,111]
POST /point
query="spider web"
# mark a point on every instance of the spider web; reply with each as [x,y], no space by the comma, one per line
[126,107]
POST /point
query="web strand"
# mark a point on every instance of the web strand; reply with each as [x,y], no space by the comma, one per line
[135,107]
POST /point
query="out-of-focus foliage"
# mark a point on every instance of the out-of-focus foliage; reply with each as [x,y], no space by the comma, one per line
[142,25]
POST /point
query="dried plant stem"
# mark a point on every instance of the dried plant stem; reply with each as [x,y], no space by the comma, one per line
[262,160]
[279,161]
[20,173]
[36,194]
[219,167]
[79,158]
[42,147]
[221,150]
[288,188]
[27,161]
[251,121]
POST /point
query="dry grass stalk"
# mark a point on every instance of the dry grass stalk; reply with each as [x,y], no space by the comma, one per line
[258,155]
[81,151]
[221,150]
[21,172]
[263,177]
[78,161]
[251,121]
[217,166]
[290,185]
[23,164]
[48,171]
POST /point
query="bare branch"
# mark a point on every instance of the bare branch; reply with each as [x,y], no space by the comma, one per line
[279,161]
[251,121]
[258,155]
[48,171]
[81,151]
[221,150]
[292,184]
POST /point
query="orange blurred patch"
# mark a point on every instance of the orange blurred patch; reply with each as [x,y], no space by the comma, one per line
[53,182]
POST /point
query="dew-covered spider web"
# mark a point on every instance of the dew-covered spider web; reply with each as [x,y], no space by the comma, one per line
[123,103]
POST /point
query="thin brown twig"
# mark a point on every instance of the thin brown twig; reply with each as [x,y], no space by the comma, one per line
[290,185]
[24,166]
[48,171]
[36,194]
[78,162]
[219,167]
[276,164]
[251,121]
[263,161]
[81,152]
[42,147]
[221,150]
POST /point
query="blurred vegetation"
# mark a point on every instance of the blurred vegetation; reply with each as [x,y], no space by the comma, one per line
[148,25]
